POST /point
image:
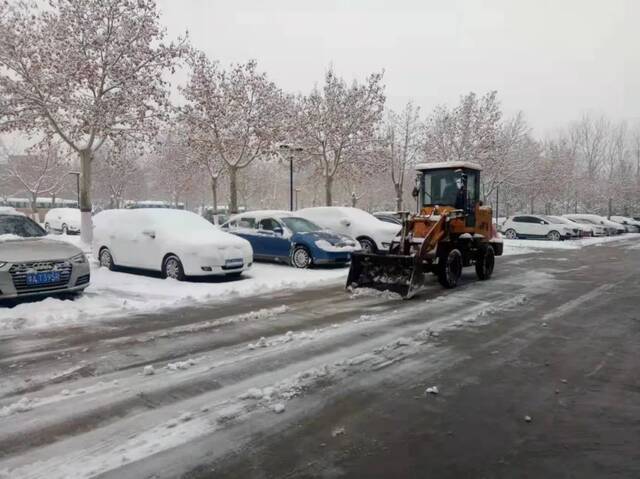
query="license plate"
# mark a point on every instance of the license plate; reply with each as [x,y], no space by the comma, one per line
[231,263]
[46,277]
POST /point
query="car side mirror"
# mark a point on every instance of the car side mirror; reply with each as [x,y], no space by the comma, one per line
[345,222]
[150,233]
[278,230]
[543,222]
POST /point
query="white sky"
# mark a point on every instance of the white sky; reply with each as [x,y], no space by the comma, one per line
[552,59]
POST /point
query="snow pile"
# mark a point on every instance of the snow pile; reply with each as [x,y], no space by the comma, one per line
[119,294]
[23,405]
[181,365]
[372,293]
[285,338]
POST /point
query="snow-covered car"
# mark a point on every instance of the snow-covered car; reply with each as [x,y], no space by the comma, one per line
[389,217]
[284,236]
[631,225]
[9,210]
[372,234]
[579,231]
[591,228]
[535,226]
[177,243]
[33,265]
[611,227]
[62,220]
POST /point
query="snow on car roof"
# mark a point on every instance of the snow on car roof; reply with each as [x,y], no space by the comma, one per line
[9,210]
[448,164]
[261,214]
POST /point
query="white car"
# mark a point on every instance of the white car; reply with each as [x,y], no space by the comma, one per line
[177,243]
[592,229]
[581,230]
[631,225]
[372,234]
[535,226]
[611,227]
[62,220]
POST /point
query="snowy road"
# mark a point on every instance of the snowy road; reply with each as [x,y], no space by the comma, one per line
[321,383]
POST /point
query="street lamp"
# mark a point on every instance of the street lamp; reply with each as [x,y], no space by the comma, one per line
[77,174]
[290,150]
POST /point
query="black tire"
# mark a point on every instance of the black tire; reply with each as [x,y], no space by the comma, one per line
[511,234]
[368,245]
[554,235]
[300,257]
[172,268]
[105,258]
[450,268]
[485,262]
[235,275]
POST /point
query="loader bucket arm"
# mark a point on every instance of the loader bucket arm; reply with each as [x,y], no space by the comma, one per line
[402,271]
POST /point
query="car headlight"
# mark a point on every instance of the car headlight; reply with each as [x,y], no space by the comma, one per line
[324,245]
[79,258]
[2,264]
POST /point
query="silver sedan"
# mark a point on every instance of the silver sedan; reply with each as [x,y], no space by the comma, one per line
[31,264]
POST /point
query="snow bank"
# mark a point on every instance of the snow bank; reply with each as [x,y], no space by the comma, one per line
[118,294]
[519,246]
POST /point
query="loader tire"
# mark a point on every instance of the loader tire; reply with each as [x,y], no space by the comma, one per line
[485,262]
[450,269]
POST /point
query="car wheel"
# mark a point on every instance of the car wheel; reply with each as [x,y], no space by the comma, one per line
[172,268]
[64,229]
[450,269]
[511,234]
[300,258]
[485,262]
[554,236]
[367,245]
[106,260]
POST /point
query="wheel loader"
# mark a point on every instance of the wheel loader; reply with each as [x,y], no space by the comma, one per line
[452,229]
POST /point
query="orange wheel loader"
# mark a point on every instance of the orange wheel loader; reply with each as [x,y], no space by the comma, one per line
[452,230]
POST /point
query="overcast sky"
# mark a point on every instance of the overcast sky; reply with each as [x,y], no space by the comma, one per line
[552,59]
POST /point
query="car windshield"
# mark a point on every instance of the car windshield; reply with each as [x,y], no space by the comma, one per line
[553,220]
[300,225]
[20,226]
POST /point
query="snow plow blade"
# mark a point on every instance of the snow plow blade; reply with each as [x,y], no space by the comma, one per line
[398,274]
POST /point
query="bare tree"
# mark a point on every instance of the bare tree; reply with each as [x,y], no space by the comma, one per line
[403,140]
[239,111]
[337,123]
[40,172]
[120,166]
[84,71]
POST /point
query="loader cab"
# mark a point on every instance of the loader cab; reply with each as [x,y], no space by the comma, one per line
[439,185]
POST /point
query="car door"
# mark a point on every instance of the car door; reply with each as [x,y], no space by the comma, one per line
[538,226]
[521,225]
[272,238]
[134,244]
[246,227]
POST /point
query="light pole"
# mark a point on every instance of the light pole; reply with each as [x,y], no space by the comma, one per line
[77,175]
[287,149]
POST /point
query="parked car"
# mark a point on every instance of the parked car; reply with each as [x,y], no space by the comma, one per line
[536,226]
[389,217]
[580,230]
[177,243]
[284,236]
[631,225]
[596,229]
[62,220]
[372,234]
[611,227]
[32,264]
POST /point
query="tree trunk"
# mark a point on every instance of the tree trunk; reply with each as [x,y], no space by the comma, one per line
[214,194]
[233,189]
[532,201]
[53,200]
[86,224]
[354,200]
[398,189]
[328,190]
[34,208]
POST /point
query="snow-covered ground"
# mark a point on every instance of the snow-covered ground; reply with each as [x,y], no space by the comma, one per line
[121,294]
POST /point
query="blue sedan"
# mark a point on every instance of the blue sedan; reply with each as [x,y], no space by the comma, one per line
[281,236]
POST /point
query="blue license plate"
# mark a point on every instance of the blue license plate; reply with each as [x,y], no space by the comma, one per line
[47,277]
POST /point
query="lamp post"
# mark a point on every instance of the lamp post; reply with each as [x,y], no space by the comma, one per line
[77,175]
[290,151]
